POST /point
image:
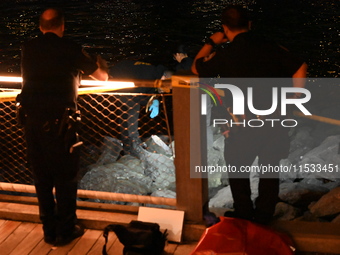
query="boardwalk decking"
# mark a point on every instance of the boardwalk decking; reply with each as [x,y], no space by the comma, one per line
[21,238]
[26,238]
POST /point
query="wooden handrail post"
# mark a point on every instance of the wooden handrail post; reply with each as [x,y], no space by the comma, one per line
[192,193]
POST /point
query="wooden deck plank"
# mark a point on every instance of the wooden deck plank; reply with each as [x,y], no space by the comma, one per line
[29,242]
[170,248]
[33,243]
[87,241]
[27,239]
[63,250]
[116,248]
[185,249]
[7,228]
[16,237]
[2,222]
[41,248]
[98,246]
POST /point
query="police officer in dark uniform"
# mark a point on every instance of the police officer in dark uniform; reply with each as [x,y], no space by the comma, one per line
[51,69]
[250,55]
[184,62]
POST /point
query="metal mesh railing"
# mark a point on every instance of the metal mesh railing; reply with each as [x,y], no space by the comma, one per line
[12,158]
[124,149]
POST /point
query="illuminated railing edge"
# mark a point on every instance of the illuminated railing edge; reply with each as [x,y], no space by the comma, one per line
[114,84]
[92,194]
[91,86]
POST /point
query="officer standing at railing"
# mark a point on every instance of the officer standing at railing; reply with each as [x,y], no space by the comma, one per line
[51,69]
[250,55]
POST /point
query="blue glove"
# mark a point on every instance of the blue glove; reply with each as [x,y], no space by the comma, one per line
[154,108]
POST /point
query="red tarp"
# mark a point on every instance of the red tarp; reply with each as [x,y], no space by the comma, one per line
[233,236]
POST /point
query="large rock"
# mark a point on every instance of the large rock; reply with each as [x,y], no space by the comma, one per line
[97,179]
[285,211]
[300,194]
[116,178]
[329,204]
[223,198]
[111,149]
[158,144]
[336,219]
[319,163]
[308,216]
[133,163]
[164,193]
[323,161]
[158,167]
[287,176]
[301,142]
[324,183]
[216,158]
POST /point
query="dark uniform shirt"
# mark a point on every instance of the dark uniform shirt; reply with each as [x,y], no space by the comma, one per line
[184,67]
[140,70]
[51,68]
[251,56]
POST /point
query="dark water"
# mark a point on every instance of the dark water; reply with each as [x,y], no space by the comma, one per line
[150,29]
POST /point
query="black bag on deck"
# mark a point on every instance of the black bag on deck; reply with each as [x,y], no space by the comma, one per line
[138,237]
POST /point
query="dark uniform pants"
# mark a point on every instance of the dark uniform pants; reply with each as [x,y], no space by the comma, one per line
[53,166]
[129,131]
[270,144]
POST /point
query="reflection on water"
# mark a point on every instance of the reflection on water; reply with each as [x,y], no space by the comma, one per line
[150,28]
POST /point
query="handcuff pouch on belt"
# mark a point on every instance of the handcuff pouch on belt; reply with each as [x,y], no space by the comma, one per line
[68,127]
